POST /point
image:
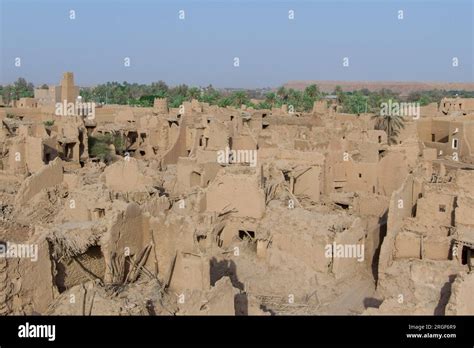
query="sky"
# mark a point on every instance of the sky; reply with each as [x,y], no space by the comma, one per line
[201,49]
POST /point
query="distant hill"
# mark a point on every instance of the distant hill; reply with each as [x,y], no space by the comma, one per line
[404,88]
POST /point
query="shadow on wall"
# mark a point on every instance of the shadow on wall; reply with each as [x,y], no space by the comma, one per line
[225,268]
[382,234]
[445,294]
[241,304]
[372,302]
[228,268]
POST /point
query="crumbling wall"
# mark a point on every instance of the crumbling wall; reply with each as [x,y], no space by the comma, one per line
[179,148]
[308,184]
[17,156]
[34,154]
[241,192]
[50,175]
[355,237]
[400,207]
[460,302]
[391,172]
[128,233]
[125,176]
[190,272]
[185,169]
[32,288]
[169,233]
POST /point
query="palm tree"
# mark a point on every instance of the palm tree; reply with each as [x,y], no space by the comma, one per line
[391,125]
[340,94]
[312,91]
[282,93]
[194,93]
[270,98]
[159,87]
[239,98]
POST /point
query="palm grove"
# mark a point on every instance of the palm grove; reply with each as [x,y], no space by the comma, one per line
[356,102]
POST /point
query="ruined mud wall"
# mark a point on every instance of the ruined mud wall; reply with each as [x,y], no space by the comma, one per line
[236,191]
[400,207]
[49,175]
[178,149]
[29,287]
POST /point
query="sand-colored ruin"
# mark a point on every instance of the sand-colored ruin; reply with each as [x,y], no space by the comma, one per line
[209,210]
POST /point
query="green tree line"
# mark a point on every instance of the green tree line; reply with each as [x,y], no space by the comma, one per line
[125,93]
[18,89]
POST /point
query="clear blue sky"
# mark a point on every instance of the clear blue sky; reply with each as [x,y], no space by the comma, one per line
[272,49]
